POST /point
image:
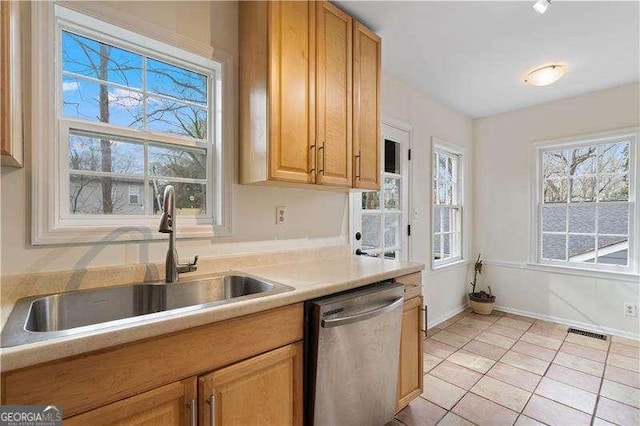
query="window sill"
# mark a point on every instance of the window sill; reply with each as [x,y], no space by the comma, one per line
[445,266]
[567,270]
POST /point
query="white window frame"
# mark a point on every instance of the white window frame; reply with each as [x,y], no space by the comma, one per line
[633,135]
[51,222]
[440,145]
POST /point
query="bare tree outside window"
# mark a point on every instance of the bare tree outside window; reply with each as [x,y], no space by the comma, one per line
[107,84]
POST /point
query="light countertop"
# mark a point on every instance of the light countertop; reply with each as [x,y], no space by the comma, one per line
[309,278]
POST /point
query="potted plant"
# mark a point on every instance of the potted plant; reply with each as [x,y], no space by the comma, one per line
[481,302]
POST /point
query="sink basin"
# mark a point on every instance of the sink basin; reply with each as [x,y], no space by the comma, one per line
[44,317]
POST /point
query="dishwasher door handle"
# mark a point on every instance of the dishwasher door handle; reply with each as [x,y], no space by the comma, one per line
[350,319]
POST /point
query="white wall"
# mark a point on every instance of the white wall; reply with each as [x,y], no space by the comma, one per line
[314,217]
[502,209]
[445,289]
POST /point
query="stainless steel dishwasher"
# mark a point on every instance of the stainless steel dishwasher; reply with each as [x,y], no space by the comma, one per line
[353,348]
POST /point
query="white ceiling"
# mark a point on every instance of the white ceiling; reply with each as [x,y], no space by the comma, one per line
[473,56]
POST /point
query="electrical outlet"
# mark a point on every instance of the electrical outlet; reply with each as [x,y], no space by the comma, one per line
[281,215]
[630,309]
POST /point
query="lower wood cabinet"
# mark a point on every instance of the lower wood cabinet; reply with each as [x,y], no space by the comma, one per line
[410,373]
[264,390]
[173,404]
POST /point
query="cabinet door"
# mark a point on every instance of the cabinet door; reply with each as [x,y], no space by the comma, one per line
[264,390]
[366,108]
[173,404]
[333,95]
[291,90]
[411,370]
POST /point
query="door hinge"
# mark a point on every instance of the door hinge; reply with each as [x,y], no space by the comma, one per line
[409,230]
[409,154]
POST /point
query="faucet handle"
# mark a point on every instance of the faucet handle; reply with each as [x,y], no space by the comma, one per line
[195,261]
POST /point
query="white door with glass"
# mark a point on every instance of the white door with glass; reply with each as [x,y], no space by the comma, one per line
[380,219]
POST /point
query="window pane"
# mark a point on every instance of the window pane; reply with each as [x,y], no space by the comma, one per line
[613,250]
[446,246]
[582,246]
[444,172]
[177,118]
[446,220]
[437,217]
[583,161]
[391,157]
[371,231]
[190,197]
[437,244]
[175,162]
[555,190]
[391,230]
[392,193]
[554,219]
[371,200]
[90,58]
[179,83]
[613,187]
[583,189]
[102,195]
[99,102]
[105,155]
[613,219]
[582,219]
[455,244]
[554,246]
[613,158]
[554,164]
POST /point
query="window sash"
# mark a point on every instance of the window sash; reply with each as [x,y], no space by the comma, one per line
[456,188]
[605,139]
[146,137]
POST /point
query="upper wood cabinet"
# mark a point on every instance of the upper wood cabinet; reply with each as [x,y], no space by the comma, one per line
[297,74]
[277,90]
[172,405]
[264,390]
[333,95]
[10,80]
[366,108]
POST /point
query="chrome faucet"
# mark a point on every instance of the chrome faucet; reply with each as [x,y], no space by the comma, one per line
[168,226]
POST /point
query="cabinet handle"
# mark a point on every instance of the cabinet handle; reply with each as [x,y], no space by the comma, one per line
[193,413]
[323,158]
[312,148]
[359,157]
[212,410]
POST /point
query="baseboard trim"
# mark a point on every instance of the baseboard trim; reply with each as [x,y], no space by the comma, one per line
[442,318]
[577,324]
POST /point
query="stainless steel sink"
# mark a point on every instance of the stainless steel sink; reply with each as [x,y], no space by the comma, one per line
[41,318]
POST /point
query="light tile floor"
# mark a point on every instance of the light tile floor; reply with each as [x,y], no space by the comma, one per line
[505,369]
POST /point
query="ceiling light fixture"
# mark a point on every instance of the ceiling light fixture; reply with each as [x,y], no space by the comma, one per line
[541,6]
[545,75]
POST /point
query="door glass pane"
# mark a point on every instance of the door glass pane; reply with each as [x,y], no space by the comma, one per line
[391,157]
[371,200]
[371,231]
[391,230]
[392,193]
